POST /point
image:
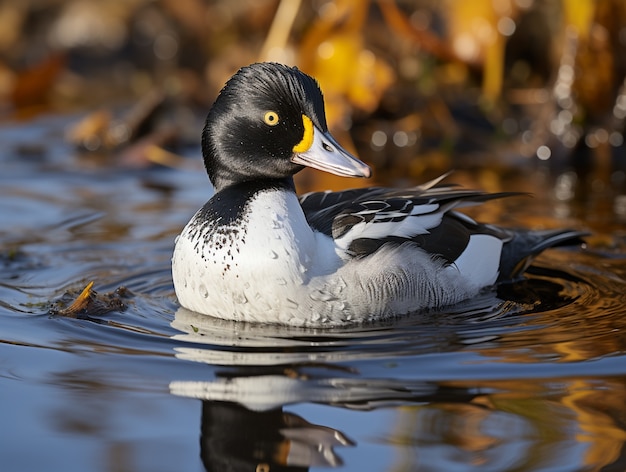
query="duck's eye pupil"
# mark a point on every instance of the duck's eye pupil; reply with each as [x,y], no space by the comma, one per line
[271,118]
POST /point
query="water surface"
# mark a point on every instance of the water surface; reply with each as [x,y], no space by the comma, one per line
[528,377]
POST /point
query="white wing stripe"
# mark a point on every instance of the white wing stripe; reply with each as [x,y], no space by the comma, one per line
[376,229]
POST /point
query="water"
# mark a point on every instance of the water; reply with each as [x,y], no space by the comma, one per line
[529,377]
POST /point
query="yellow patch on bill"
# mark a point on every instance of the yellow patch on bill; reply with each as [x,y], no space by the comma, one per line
[307,136]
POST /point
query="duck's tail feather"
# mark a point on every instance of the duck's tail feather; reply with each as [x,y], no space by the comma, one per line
[519,252]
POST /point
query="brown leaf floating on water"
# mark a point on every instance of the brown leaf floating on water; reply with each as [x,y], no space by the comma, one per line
[81,301]
[90,304]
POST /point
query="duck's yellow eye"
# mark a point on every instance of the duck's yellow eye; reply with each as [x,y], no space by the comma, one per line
[271,118]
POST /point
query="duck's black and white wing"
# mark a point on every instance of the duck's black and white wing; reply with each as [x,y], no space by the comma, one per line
[362,220]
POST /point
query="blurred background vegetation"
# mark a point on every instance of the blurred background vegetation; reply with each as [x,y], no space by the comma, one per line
[415,87]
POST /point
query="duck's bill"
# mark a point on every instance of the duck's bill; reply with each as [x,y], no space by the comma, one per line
[326,154]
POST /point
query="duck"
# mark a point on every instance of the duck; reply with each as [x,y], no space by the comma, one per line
[257,252]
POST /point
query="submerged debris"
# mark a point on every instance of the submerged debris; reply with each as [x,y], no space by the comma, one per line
[90,304]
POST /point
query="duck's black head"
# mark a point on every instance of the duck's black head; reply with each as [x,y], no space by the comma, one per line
[266,124]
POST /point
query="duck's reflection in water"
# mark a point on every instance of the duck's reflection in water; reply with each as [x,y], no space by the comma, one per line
[235,438]
[258,370]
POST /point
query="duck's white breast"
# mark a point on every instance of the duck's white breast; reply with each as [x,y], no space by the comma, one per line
[254,268]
